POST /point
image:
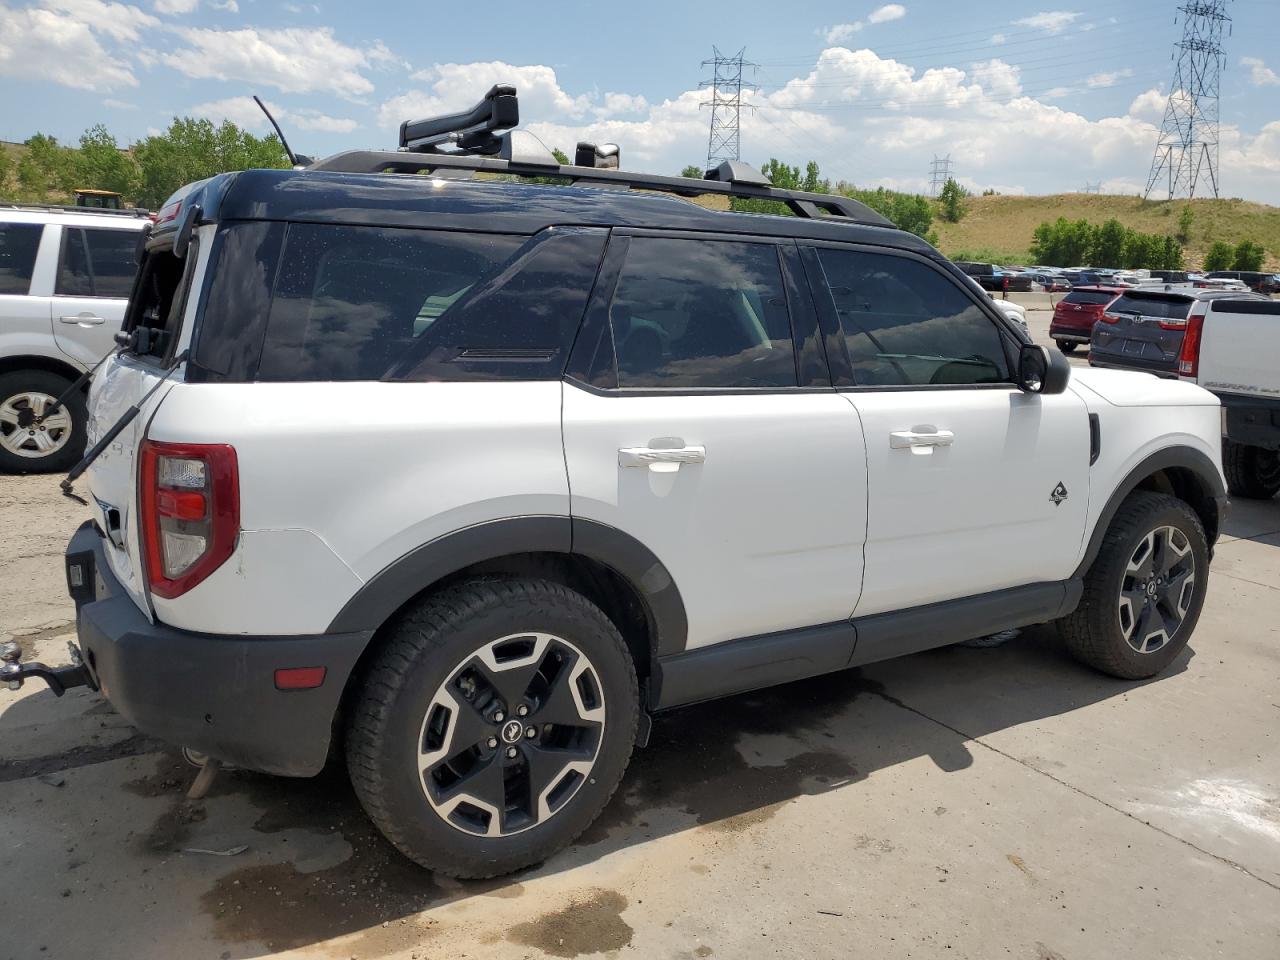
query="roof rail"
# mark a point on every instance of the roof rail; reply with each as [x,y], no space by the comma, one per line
[69,208]
[734,179]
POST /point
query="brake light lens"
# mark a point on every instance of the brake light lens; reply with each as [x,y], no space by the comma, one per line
[168,213]
[1189,358]
[1109,318]
[190,512]
[1173,323]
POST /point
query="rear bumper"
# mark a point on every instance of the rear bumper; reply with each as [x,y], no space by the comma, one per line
[1253,421]
[215,694]
[1069,334]
[1160,368]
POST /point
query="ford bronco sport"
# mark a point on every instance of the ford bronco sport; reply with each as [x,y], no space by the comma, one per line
[465,476]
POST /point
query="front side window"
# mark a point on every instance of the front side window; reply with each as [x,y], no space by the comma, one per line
[907,324]
[700,314]
[19,243]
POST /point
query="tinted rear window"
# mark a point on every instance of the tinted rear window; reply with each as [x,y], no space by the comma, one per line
[1088,296]
[1168,308]
[18,245]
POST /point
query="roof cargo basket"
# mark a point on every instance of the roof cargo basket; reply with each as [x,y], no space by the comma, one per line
[481,140]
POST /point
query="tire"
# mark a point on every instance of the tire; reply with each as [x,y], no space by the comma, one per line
[1067,346]
[1252,472]
[428,690]
[1148,530]
[26,392]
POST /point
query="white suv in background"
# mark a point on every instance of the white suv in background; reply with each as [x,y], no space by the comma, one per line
[65,276]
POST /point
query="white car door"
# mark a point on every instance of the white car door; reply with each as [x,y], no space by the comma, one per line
[95,273]
[974,485]
[701,421]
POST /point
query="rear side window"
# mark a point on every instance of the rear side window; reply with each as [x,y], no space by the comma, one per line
[96,263]
[1088,296]
[905,323]
[19,243]
[701,314]
[1152,305]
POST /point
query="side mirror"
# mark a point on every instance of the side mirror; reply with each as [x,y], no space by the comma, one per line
[1041,370]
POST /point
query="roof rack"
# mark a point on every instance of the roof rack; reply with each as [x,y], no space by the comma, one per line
[732,179]
[69,208]
[482,140]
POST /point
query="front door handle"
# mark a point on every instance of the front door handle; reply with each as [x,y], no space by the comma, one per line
[84,319]
[661,459]
[908,439]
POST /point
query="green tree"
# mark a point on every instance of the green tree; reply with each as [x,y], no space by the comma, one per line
[6,171]
[194,149]
[1172,256]
[1063,243]
[693,171]
[907,211]
[1247,256]
[45,167]
[100,164]
[951,198]
[1219,256]
[1185,220]
[1109,243]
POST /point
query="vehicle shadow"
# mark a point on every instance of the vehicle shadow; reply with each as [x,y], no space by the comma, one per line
[725,766]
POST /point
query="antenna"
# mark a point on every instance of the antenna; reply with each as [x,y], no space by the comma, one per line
[1187,149]
[725,140]
[294,158]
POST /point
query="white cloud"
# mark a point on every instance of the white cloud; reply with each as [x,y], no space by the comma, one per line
[1260,75]
[119,104]
[998,38]
[1054,21]
[997,78]
[890,11]
[226,6]
[59,47]
[1101,80]
[1149,105]
[293,60]
[243,112]
[840,32]
[119,21]
[170,7]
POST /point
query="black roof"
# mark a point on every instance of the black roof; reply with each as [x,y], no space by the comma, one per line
[495,206]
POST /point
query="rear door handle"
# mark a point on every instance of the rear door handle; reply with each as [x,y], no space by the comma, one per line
[907,439]
[661,459]
[84,319]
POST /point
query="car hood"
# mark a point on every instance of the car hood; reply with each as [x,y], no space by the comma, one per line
[1122,388]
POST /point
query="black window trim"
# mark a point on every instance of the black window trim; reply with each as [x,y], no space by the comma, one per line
[805,337]
[838,351]
[35,261]
[67,229]
[190,265]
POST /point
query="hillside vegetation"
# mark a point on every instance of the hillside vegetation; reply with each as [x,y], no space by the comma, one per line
[999,228]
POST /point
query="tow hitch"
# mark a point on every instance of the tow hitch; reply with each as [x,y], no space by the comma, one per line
[60,679]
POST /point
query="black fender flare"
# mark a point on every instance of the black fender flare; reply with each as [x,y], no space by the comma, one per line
[1213,494]
[395,585]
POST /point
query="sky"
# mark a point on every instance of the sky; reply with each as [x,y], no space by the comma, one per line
[1025,96]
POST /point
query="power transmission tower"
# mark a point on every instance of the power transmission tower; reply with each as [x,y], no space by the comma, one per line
[1187,150]
[939,174]
[725,139]
[1091,187]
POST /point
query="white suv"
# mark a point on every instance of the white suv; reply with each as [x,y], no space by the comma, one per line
[471,476]
[65,275]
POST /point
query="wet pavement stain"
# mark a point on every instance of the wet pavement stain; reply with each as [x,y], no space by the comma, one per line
[693,763]
[592,924]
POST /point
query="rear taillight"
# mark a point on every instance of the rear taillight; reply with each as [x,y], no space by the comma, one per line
[1173,323]
[1189,358]
[190,512]
[1109,318]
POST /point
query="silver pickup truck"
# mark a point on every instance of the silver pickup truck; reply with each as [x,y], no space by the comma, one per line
[1230,348]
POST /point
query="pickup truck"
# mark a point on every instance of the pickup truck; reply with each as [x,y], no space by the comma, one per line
[1230,348]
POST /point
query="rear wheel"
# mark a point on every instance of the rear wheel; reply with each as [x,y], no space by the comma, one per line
[1144,592]
[493,726]
[1067,346]
[1252,472]
[31,440]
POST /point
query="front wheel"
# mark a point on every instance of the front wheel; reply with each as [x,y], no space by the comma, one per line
[1143,594]
[493,725]
[1252,472]
[31,439]
[1067,346]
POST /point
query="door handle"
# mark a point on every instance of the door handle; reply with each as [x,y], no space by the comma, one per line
[84,319]
[907,439]
[661,459]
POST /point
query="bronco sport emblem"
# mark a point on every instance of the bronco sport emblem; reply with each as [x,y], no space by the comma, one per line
[1059,494]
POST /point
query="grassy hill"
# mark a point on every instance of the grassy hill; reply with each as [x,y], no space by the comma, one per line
[999,228]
